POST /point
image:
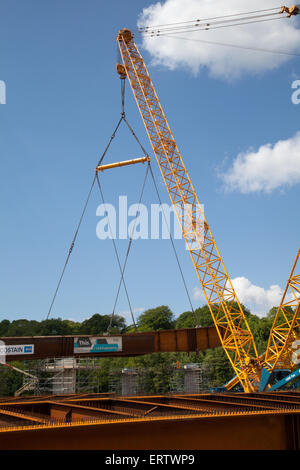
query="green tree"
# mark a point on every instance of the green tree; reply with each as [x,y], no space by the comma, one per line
[98,324]
[159,318]
[219,365]
[204,316]
[4,326]
[71,326]
[22,327]
[54,327]
[185,320]
[10,380]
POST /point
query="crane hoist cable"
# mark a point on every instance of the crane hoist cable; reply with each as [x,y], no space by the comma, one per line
[168,228]
[225,21]
[149,168]
[71,248]
[171,30]
[84,210]
[236,46]
[96,179]
[169,231]
[122,281]
[131,237]
[128,249]
[174,249]
[122,270]
[210,26]
[143,28]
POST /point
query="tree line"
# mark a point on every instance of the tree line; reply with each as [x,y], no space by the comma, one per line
[157,365]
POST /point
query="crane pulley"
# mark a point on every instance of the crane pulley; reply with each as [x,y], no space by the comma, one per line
[291,11]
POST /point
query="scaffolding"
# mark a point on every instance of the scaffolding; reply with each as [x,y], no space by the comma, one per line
[61,376]
[71,375]
[191,378]
[126,381]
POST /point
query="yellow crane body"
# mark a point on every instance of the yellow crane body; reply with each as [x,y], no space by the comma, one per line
[285,330]
[284,333]
[229,318]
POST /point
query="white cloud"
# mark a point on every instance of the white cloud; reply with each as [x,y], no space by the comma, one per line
[225,62]
[127,314]
[257,299]
[269,168]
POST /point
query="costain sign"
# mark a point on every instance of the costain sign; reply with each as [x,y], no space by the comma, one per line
[16,349]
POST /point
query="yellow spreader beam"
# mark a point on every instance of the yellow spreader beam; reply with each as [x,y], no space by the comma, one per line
[124,163]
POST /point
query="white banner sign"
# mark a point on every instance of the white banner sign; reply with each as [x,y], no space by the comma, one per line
[86,344]
[16,349]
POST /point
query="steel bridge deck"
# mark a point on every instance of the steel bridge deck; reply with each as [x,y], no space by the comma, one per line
[161,422]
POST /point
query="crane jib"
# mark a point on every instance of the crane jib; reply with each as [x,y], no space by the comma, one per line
[229,318]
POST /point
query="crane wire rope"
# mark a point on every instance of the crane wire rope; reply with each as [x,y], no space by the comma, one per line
[164,215]
[170,29]
[118,261]
[217,43]
[211,28]
[131,238]
[71,248]
[129,247]
[174,248]
[143,28]
[82,216]
[122,269]
[221,21]
[149,168]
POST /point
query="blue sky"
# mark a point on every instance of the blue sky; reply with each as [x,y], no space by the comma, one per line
[63,101]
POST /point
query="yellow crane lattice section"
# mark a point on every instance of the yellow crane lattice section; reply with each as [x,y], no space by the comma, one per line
[286,325]
[226,311]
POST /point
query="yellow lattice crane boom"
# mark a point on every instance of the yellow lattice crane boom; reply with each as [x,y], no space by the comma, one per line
[229,318]
[286,328]
[284,333]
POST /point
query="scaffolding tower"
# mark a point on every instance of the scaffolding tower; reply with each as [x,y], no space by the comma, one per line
[127,381]
[61,376]
[191,378]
